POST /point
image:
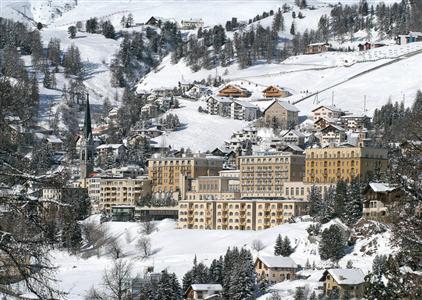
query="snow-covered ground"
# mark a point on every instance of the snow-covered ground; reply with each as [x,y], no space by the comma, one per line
[199,131]
[175,249]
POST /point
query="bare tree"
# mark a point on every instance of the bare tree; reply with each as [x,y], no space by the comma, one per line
[115,282]
[147,227]
[114,249]
[144,245]
[257,245]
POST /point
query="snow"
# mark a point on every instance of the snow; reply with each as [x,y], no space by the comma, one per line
[174,249]
[381,187]
[207,287]
[278,262]
[347,276]
[199,131]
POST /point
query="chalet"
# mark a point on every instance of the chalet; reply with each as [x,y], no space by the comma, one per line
[275,268]
[333,134]
[281,114]
[293,137]
[412,37]
[317,48]
[149,111]
[111,151]
[243,110]
[158,21]
[204,291]
[192,24]
[355,122]
[219,106]
[234,91]
[197,91]
[323,122]
[326,111]
[274,91]
[379,198]
[348,282]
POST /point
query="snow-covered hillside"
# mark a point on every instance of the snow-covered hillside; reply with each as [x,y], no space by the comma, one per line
[199,131]
[176,248]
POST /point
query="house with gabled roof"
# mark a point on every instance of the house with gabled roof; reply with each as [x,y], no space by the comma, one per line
[274,91]
[204,291]
[333,134]
[326,111]
[281,114]
[235,91]
[349,282]
[275,268]
[379,199]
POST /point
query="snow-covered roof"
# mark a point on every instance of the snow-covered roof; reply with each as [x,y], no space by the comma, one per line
[54,139]
[293,131]
[347,276]
[207,287]
[339,128]
[318,44]
[220,99]
[246,104]
[415,34]
[330,107]
[278,261]
[286,105]
[108,146]
[379,187]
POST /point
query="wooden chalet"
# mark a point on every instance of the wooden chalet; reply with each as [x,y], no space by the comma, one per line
[275,92]
[317,48]
[234,91]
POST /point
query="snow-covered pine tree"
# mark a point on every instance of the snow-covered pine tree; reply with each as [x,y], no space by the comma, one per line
[315,201]
[340,199]
[354,206]
[332,243]
[278,245]
[286,248]
[215,273]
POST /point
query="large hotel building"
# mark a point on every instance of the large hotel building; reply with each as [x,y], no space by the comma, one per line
[329,165]
[166,172]
[263,176]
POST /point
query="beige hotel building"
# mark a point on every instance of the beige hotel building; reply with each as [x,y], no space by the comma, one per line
[244,214]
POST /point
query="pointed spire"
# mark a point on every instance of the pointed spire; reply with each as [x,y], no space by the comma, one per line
[87,121]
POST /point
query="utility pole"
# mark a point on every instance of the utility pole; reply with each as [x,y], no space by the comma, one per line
[332,98]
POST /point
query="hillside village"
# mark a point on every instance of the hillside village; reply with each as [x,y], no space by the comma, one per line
[178,158]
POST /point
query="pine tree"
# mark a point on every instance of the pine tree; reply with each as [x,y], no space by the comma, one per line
[332,244]
[215,274]
[315,199]
[47,82]
[286,249]
[71,30]
[349,264]
[278,245]
[354,207]
[313,296]
[340,199]
[293,28]
[299,294]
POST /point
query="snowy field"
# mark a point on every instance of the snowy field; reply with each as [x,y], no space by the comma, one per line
[199,131]
[176,248]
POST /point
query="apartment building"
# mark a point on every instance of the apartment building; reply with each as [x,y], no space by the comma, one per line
[166,173]
[331,164]
[242,214]
[118,191]
[263,176]
[211,187]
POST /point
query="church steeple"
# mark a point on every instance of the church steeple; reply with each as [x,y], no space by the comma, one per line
[87,146]
[87,121]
